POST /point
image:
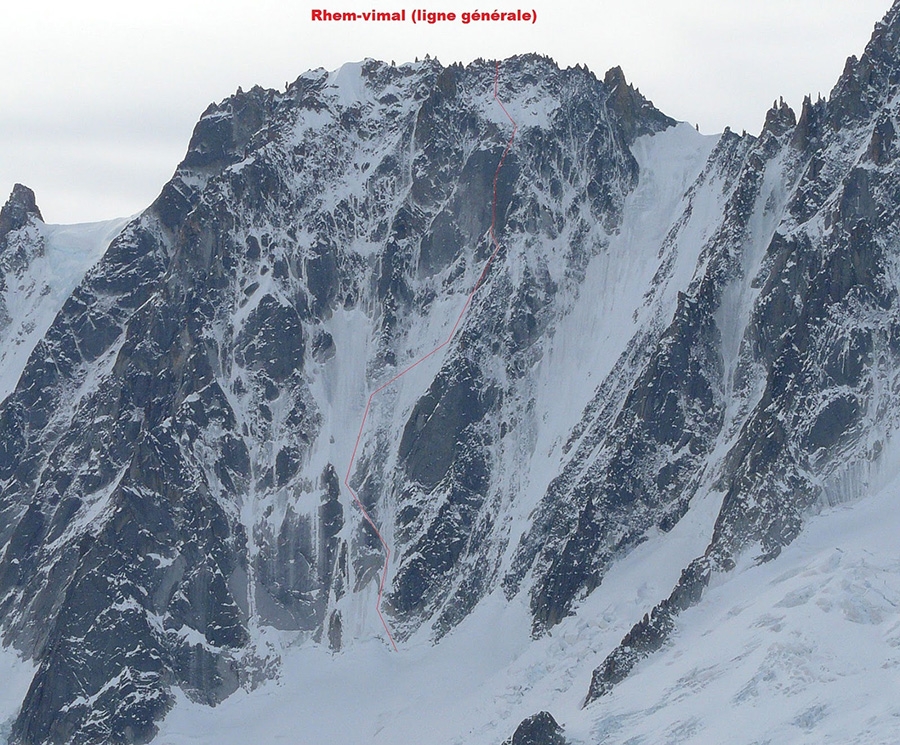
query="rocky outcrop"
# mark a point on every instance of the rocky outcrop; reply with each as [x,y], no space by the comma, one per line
[173,450]
[169,457]
[539,729]
[18,209]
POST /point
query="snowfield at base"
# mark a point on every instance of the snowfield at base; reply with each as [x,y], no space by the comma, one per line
[471,688]
[804,649]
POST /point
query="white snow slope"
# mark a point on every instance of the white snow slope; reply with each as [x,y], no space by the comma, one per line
[15,677]
[799,650]
[805,649]
[37,288]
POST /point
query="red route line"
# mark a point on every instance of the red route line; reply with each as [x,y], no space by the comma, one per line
[438,348]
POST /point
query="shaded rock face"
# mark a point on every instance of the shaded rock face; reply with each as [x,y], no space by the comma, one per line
[18,209]
[171,450]
[671,319]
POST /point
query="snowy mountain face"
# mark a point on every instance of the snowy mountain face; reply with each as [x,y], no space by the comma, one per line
[686,349]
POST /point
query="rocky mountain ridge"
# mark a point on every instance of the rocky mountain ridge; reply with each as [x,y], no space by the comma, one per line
[674,321]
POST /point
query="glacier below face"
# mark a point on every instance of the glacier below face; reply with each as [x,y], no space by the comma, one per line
[637,490]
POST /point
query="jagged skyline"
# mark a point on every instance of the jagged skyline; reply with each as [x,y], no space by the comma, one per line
[670,410]
[77,127]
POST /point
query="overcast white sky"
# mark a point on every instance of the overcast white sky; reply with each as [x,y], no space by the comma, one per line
[98,99]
